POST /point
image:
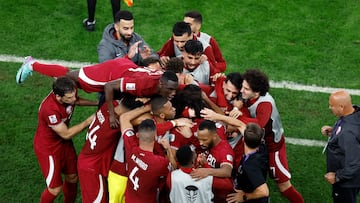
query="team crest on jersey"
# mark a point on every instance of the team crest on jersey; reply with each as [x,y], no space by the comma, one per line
[129,133]
[69,109]
[229,157]
[191,193]
[52,119]
[130,86]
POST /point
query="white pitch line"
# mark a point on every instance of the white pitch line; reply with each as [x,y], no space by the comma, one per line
[283,84]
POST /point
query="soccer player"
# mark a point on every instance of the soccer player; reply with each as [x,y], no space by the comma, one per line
[262,107]
[343,162]
[53,146]
[145,169]
[116,75]
[97,153]
[183,188]
[176,44]
[194,19]
[216,159]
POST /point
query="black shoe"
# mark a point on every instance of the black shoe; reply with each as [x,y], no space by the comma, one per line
[90,26]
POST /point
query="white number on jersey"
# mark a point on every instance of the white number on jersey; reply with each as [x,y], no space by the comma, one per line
[134,179]
[91,136]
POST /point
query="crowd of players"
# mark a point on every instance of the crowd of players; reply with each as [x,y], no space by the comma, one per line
[171,125]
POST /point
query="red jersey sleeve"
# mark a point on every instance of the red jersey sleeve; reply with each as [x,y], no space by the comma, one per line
[167,49]
[220,61]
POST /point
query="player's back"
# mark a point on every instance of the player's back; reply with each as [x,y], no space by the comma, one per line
[145,171]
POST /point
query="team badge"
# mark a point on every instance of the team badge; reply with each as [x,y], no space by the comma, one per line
[130,86]
[52,119]
[229,157]
[129,133]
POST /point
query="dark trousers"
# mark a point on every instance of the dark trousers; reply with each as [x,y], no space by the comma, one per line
[342,195]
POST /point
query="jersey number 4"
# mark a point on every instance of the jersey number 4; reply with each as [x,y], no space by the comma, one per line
[134,179]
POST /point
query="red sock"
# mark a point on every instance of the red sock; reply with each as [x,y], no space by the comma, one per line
[46,197]
[293,195]
[51,70]
[70,192]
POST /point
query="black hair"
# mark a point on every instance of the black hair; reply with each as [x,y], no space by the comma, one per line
[175,64]
[195,15]
[150,60]
[207,124]
[184,155]
[123,15]
[157,104]
[235,78]
[194,47]
[63,85]
[257,80]
[190,96]
[129,101]
[147,130]
[253,135]
[181,28]
[169,75]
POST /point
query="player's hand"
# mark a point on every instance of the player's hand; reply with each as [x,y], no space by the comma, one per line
[216,76]
[90,119]
[201,160]
[203,58]
[326,130]
[134,49]
[235,197]
[235,112]
[114,123]
[188,79]
[184,122]
[145,52]
[164,60]
[200,173]
[165,143]
[208,114]
[184,131]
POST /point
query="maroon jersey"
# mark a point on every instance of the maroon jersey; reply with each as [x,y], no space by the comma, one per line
[93,78]
[101,140]
[141,82]
[51,113]
[145,169]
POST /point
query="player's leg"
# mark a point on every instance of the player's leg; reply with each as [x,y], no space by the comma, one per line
[93,186]
[69,160]
[30,65]
[279,171]
[117,187]
[51,171]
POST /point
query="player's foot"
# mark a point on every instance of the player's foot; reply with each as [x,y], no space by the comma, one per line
[89,26]
[25,70]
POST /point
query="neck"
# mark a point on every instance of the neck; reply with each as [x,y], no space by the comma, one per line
[146,146]
[348,111]
[248,150]
[159,119]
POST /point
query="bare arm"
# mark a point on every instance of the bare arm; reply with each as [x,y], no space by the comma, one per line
[67,133]
[125,118]
[211,115]
[109,89]
[211,104]
[86,102]
[223,172]
[260,192]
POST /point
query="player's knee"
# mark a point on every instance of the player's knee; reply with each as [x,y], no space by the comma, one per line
[55,191]
[72,178]
[284,186]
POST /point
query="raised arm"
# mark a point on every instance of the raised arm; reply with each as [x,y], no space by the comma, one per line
[67,133]
[109,89]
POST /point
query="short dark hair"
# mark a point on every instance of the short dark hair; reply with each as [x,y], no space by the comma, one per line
[181,28]
[123,15]
[184,155]
[129,101]
[150,60]
[235,78]
[190,96]
[194,47]
[195,15]
[207,124]
[157,104]
[253,135]
[257,80]
[63,85]
[147,130]
[169,75]
[175,64]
